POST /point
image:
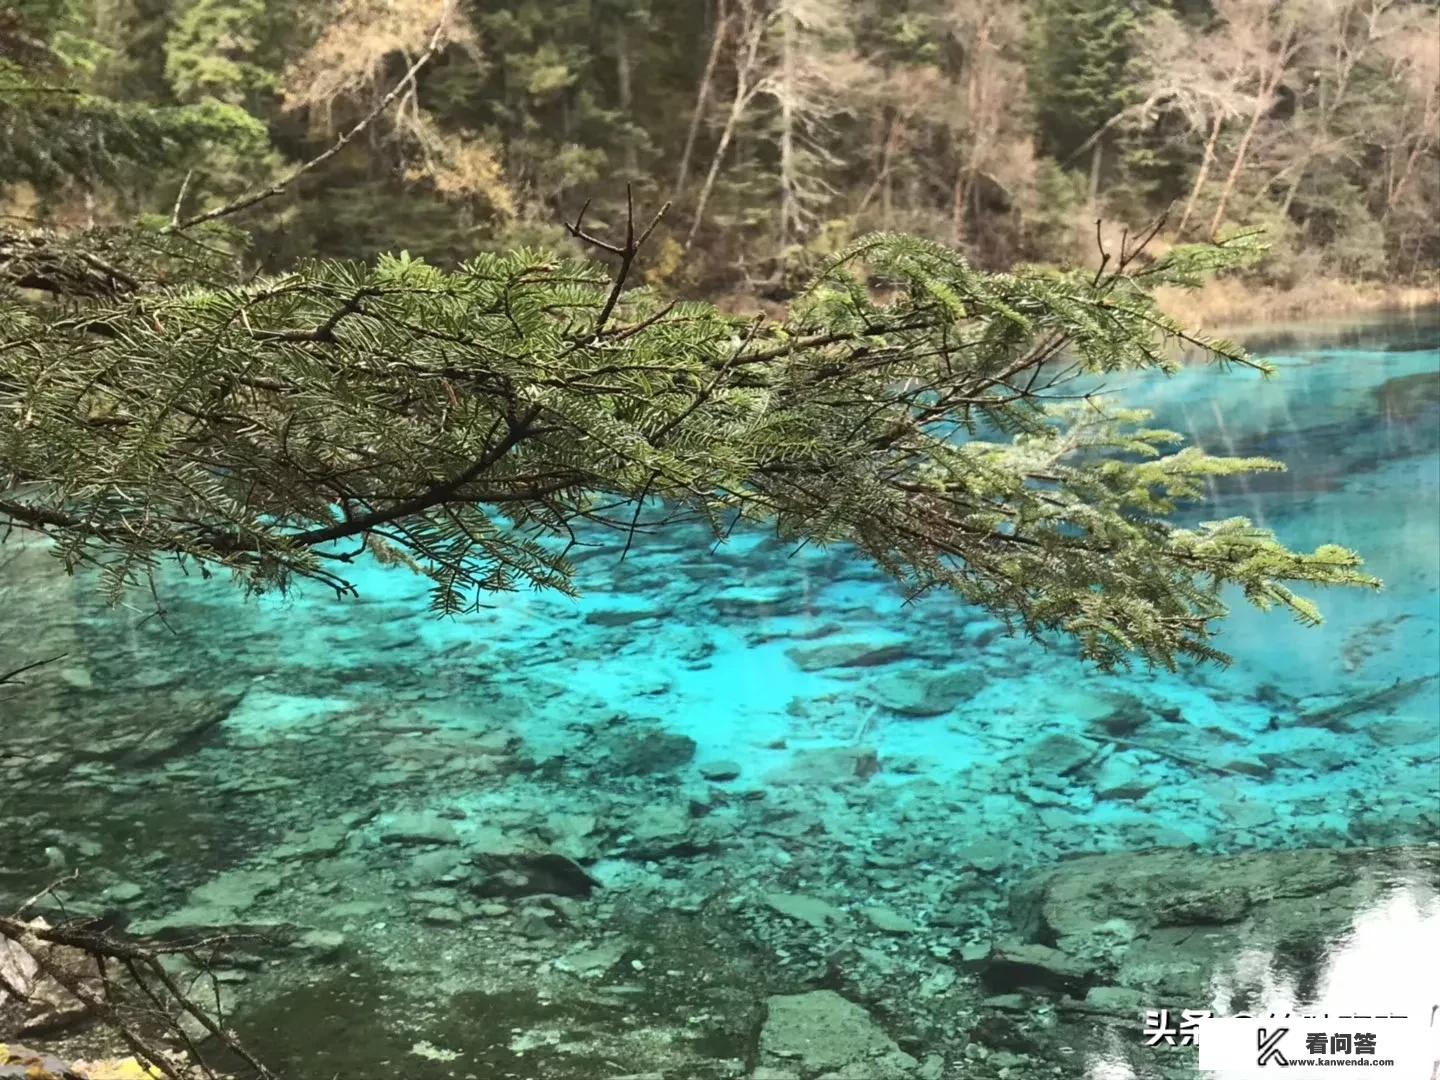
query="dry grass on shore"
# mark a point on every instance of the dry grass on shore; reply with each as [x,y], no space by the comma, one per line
[1231,302]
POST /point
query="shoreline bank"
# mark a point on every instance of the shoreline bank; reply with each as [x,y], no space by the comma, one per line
[1237,307]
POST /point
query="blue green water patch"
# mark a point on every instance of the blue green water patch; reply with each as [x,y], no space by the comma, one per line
[778,778]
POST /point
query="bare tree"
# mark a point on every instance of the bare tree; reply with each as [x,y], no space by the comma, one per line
[813,82]
[1195,75]
[719,29]
[986,130]
[747,34]
[1340,36]
[1263,37]
[1412,132]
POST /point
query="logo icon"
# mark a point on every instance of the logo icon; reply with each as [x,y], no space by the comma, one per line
[1268,1043]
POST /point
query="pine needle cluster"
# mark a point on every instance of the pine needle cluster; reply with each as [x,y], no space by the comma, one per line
[477,423]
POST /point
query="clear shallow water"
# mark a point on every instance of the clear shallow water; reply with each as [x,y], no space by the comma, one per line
[317,767]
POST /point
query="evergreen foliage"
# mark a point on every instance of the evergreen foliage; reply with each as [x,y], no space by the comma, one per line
[1080,53]
[466,422]
[476,419]
[57,131]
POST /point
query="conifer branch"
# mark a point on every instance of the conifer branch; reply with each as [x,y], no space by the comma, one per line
[387,406]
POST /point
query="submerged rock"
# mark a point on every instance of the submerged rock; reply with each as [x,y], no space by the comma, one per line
[659,830]
[124,892]
[323,944]
[441,915]
[829,765]
[221,903]
[1115,713]
[1406,731]
[1060,754]
[439,864]
[720,771]
[593,961]
[890,922]
[1121,777]
[823,1032]
[807,909]
[1122,1000]
[1138,913]
[1204,907]
[419,828]
[920,694]
[1137,928]
[530,874]
[637,753]
[986,856]
[846,654]
[1012,966]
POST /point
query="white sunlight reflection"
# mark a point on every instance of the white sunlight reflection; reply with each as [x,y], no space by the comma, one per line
[1388,962]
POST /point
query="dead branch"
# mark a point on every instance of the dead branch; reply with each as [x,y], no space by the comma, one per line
[162,1003]
[626,251]
[244,202]
[13,676]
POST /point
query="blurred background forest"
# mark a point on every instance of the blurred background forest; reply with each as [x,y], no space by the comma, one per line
[780,129]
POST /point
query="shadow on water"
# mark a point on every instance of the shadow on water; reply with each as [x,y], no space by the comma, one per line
[362,1020]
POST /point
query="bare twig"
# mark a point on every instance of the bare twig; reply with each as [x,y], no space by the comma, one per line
[1173,755]
[74,875]
[144,962]
[13,676]
[180,199]
[1104,255]
[626,251]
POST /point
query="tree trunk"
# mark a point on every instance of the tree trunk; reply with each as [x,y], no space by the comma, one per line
[744,68]
[789,209]
[726,134]
[1239,163]
[1392,199]
[626,94]
[1263,103]
[1097,153]
[887,184]
[958,200]
[881,185]
[1206,161]
[702,96]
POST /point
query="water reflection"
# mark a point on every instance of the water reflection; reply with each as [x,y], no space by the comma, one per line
[1381,964]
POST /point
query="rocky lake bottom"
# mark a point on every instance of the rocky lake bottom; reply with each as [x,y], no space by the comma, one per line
[741,812]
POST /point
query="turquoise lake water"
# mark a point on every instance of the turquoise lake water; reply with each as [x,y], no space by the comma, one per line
[707,728]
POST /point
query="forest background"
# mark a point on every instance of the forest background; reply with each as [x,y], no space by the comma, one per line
[778,129]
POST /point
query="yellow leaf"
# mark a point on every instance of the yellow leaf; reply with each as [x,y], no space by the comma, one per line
[116,1069]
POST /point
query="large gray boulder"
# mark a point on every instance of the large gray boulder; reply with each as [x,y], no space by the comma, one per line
[923,693]
[39,1002]
[824,1033]
[1171,921]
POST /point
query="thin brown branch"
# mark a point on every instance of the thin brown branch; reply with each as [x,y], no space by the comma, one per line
[244,202]
[626,251]
[13,675]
